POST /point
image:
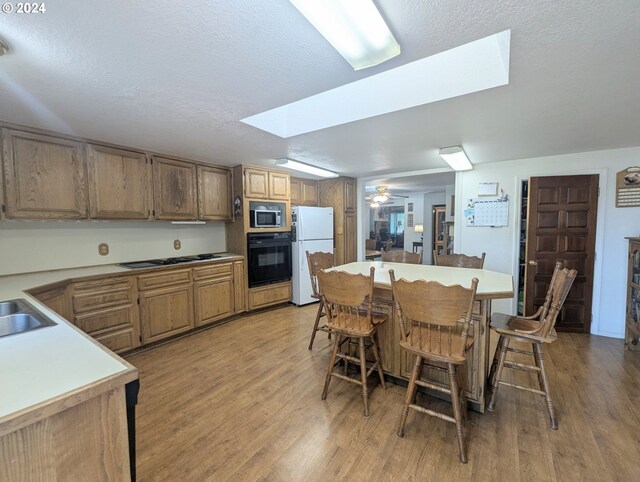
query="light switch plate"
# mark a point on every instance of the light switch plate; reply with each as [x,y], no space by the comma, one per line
[103,249]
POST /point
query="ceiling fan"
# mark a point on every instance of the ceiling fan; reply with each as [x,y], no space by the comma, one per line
[382,196]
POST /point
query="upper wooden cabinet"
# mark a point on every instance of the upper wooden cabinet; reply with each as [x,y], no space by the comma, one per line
[265,184]
[304,192]
[119,183]
[44,176]
[174,189]
[214,194]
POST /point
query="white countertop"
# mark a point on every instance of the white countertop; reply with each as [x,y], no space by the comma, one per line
[491,284]
[46,363]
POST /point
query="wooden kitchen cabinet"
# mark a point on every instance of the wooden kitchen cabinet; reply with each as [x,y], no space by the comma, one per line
[213,293]
[119,183]
[106,309]
[174,189]
[269,295]
[632,331]
[266,184]
[214,194]
[340,194]
[166,304]
[304,192]
[44,176]
[239,287]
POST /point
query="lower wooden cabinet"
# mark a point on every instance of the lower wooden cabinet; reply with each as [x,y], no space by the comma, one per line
[165,312]
[125,312]
[107,310]
[213,293]
[269,295]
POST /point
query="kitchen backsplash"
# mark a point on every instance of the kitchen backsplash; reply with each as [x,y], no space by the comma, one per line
[27,246]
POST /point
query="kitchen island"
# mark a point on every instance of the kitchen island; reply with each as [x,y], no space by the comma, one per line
[396,362]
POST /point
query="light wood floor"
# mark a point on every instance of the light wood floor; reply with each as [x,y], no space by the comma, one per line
[242,402]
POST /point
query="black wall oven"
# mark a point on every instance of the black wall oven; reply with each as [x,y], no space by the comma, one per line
[269,258]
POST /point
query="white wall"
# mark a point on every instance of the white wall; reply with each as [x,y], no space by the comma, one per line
[613,225]
[27,246]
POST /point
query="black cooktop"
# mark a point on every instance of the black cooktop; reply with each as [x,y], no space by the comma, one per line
[150,263]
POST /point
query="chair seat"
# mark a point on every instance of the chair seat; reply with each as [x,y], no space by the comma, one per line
[339,325]
[518,327]
[434,352]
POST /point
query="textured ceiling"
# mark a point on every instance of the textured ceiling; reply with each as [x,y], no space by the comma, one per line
[176,77]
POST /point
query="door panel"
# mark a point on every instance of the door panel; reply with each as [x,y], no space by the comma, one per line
[561,226]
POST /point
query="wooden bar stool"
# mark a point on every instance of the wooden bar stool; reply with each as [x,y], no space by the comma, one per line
[348,306]
[402,257]
[434,326]
[536,330]
[458,260]
[318,261]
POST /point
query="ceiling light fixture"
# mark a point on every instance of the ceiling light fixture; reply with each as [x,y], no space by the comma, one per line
[354,28]
[380,198]
[3,48]
[456,158]
[375,205]
[300,166]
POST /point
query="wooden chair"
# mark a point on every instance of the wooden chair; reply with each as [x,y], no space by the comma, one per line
[402,257]
[370,244]
[434,326]
[348,305]
[458,260]
[318,261]
[536,330]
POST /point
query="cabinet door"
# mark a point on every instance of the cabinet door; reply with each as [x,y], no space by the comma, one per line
[174,189]
[239,287]
[214,194]
[309,194]
[166,312]
[256,183]
[213,300]
[119,183]
[350,200]
[279,186]
[44,177]
[350,244]
[295,188]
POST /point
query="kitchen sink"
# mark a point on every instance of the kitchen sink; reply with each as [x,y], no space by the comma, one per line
[18,316]
[11,307]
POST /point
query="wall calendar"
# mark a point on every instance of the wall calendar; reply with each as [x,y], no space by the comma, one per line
[485,211]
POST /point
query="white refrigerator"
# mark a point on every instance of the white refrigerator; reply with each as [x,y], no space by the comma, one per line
[311,230]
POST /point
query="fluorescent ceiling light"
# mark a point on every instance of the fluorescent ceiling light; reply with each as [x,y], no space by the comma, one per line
[456,158]
[479,65]
[299,166]
[354,28]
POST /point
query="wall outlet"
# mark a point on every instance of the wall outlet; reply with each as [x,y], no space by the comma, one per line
[177,244]
[103,249]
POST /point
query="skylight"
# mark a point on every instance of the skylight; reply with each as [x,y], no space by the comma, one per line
[472,67]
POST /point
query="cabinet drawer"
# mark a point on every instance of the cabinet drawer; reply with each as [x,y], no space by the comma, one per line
[120,341]
[106,320]
[147,281]
[215,270]
[103,284]
[269,295]
[102,299]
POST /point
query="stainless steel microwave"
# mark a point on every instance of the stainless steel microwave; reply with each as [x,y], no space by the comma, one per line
[264,218]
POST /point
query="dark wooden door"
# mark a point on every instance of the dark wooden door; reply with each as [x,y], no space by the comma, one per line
[562,227]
